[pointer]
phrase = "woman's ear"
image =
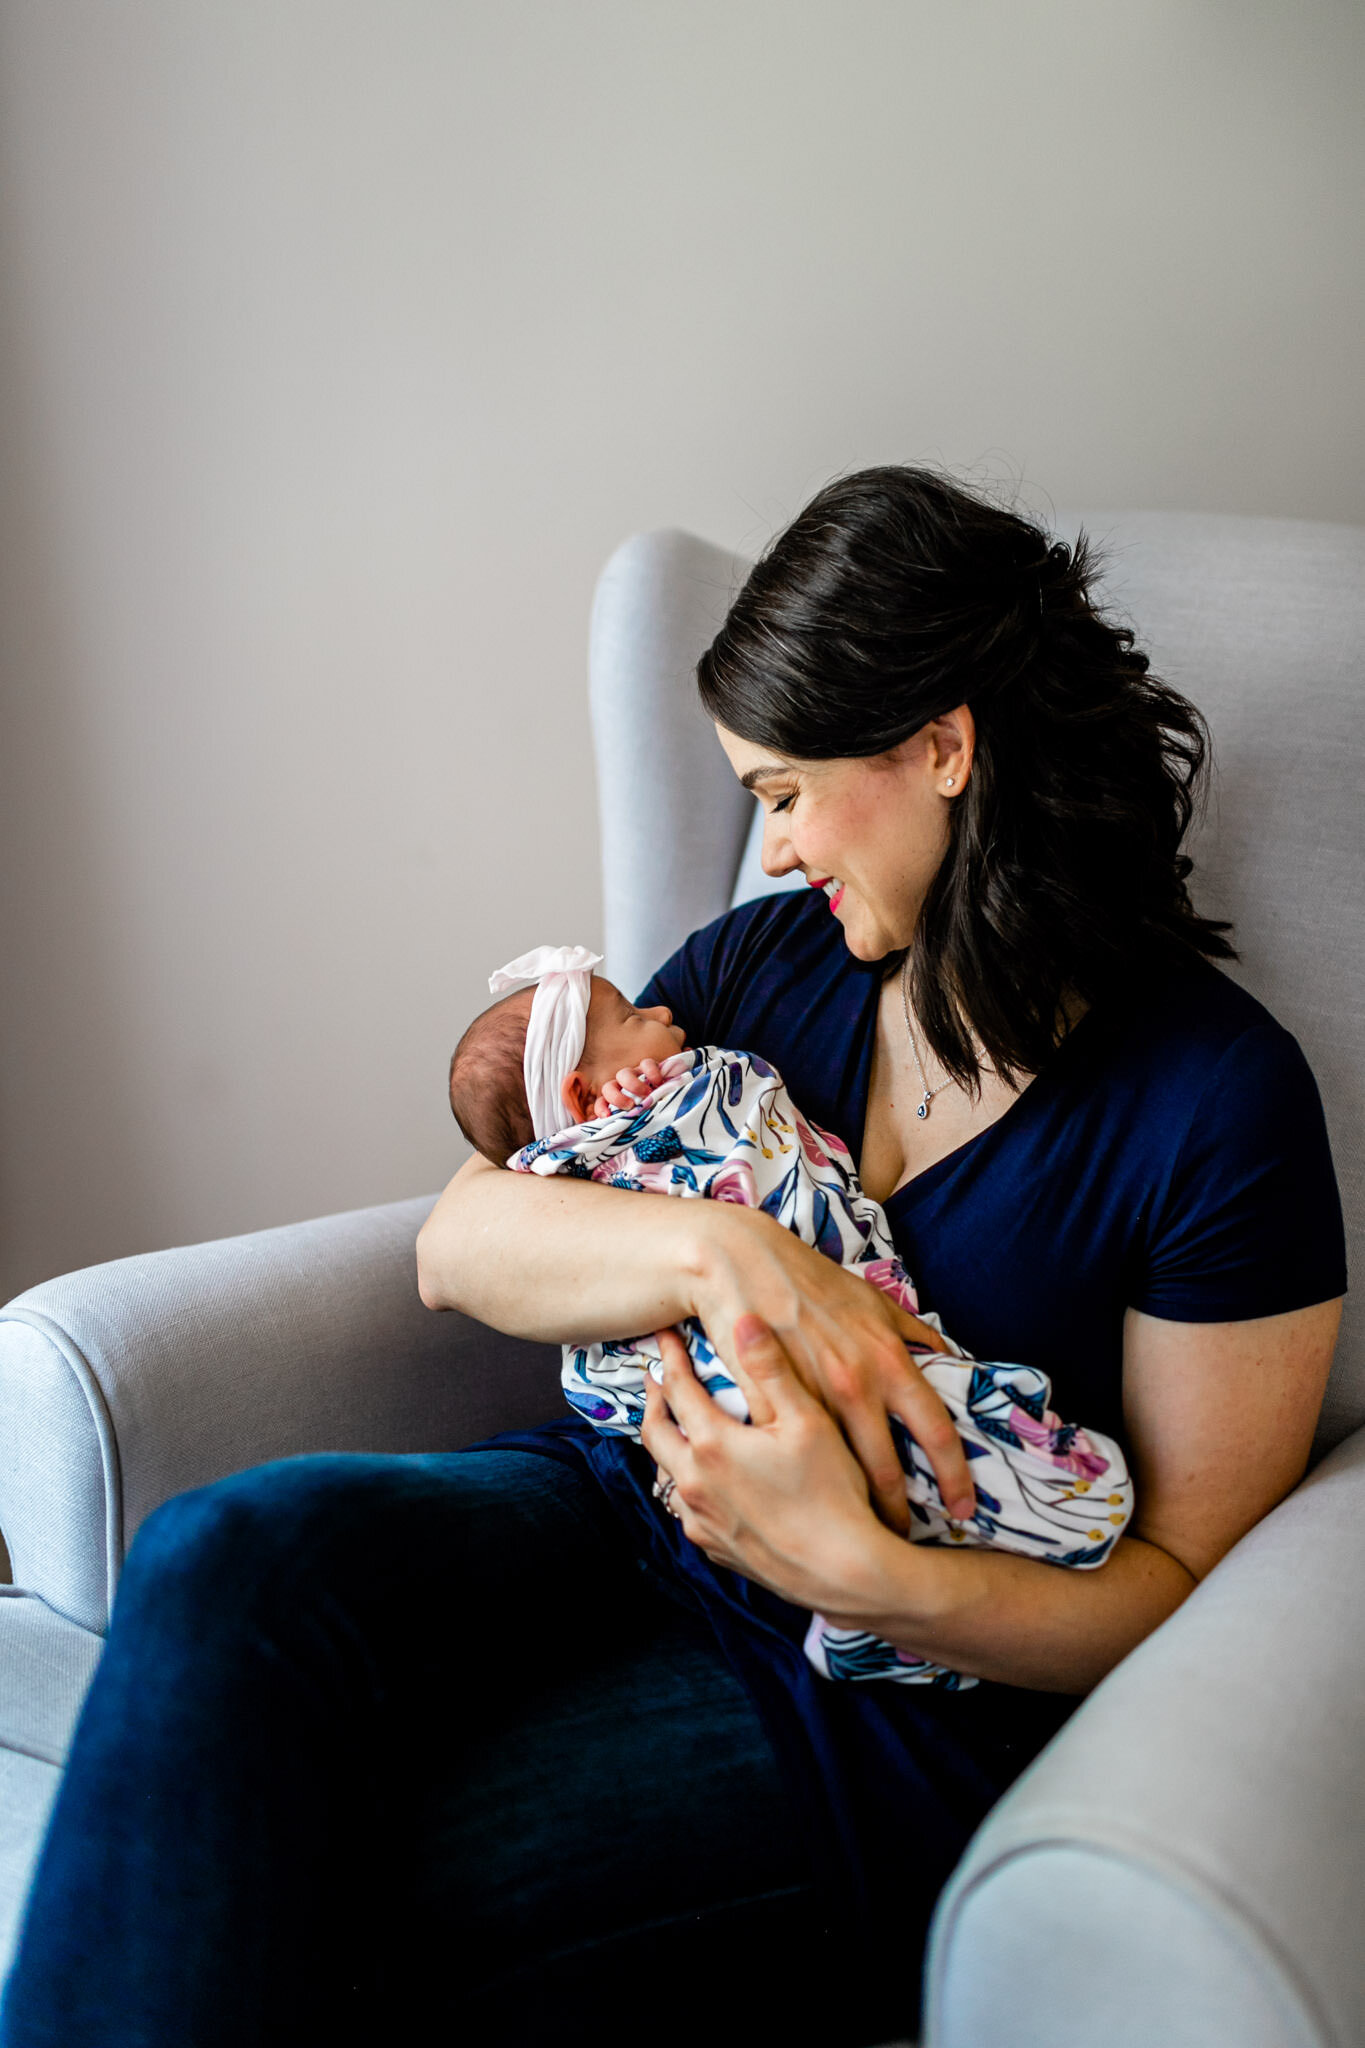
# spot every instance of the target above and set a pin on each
(578, 1097)
(952, 742)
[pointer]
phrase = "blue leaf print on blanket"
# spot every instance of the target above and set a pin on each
(782, 1196)
(660, 1145)
(827, 1238)
(697, 1088)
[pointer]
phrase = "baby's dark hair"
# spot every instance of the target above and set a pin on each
(487, 1084)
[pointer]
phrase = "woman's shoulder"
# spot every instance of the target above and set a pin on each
(1182, 1019)
(1188, 1063)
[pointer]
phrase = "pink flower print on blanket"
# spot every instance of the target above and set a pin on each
(734, 1183)
(891, 1276)
(814, 1135)
(1064, 1445)
(628, 1170)
(817, 1145)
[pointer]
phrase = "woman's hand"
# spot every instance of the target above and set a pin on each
(844, 1339)
(781, 1500)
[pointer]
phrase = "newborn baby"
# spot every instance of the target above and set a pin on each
(548, 1081)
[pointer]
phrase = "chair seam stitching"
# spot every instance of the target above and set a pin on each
(110, 1466)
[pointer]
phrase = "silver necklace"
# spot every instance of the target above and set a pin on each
(929, 1093)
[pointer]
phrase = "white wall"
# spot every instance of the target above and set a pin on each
(341, 341)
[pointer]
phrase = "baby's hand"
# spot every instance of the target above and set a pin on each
(629, 1088)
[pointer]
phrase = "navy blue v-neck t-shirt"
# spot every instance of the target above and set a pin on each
(1171, 1157)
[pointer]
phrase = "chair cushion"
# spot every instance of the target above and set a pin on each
(46, 1664)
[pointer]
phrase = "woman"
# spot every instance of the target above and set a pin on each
(292, 1815)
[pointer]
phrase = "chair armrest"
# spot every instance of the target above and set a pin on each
(1185, 1862)
(128, 1382)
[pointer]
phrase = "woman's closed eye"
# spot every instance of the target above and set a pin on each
(784, 803)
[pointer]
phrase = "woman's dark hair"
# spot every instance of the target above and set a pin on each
(898, 595)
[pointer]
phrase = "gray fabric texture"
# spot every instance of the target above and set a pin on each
(1261, 622)
(138, 1379)
(28, 1787)
(672, 824)
(1130, 1962)
(46, 1663)
(59, 1488)
(1214, 1782)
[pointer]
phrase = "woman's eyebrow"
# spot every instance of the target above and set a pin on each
(754, 775)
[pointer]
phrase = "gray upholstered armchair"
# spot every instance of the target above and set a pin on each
(1184, 1864)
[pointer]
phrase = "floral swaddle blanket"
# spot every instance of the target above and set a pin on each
(722, 1126)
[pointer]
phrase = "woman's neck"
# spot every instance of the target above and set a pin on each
(900, 1143)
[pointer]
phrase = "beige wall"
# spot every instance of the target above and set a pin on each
(341, 341)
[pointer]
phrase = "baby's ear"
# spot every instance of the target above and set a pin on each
(578, 1097)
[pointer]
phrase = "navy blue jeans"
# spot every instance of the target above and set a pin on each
(390, 1749)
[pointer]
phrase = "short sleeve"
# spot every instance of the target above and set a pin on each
(1249, 1222)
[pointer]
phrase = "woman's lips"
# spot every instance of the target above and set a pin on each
(836, 897)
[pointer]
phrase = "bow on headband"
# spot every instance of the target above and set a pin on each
(562, 979)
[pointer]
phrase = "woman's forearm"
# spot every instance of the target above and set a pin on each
(1015, 1619)
(558, 1260)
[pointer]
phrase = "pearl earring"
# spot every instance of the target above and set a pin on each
(949, 783)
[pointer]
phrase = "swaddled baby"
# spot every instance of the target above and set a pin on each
(528, 1085)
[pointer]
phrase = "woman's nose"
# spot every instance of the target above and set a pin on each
(776, 857)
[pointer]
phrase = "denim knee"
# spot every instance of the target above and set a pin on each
(260, 1529)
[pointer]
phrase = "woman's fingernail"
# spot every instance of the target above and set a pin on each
(963, 1510)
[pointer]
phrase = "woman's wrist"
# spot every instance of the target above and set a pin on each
(710, 1249)
(888, 1586)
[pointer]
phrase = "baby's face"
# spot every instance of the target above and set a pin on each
(619, 1035)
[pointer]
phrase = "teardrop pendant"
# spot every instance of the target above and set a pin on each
(923, 1109)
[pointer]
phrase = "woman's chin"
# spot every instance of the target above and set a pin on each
(864, 945)
(867, 940)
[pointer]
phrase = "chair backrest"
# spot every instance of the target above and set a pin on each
(1260, 622)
